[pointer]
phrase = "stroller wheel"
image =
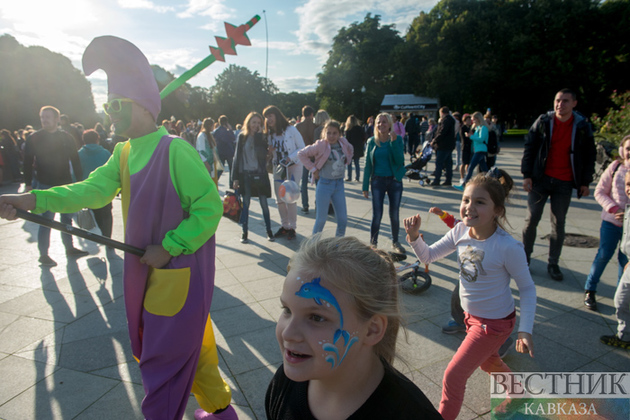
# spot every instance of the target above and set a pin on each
(415, 282)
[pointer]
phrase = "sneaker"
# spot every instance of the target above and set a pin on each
(398, 248)
(435, 184)
(305, 210)
(453, 327)
(281, 232)
(244, 239)
(358, 180)
(46, 261)
(459, 187)
(615, 341)
(554, 272)
(505, 347)
(447, 184)
(74, 252)
(348, 179)
(291, 234)
(227, 414)
(270, 237)
(589, 300)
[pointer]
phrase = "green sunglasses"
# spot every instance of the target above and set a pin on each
(115, 105)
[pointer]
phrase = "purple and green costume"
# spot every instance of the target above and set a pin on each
(168, 199)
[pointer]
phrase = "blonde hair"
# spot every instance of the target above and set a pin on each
(377, 133)
(367, 275)
(351, 122)
(478, 117)
(321, 117)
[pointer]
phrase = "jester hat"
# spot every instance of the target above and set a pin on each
(128, 71)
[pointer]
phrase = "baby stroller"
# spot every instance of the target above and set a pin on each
(414, 168)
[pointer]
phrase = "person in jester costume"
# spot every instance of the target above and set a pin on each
(171, 208)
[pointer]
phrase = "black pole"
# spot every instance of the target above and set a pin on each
(71, 230)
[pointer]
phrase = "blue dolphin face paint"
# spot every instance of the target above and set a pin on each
(314, 290)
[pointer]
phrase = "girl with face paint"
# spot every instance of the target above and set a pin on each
(337, 334)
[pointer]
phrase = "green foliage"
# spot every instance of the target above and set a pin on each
(186, 103)
(238, 91)
(291, 103)
(362, 56)
(33, 77)
(514, 55)
(615, 125)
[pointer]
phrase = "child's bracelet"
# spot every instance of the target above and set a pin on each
(444, 215)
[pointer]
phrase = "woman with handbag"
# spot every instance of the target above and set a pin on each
(207, 148)
(249, 172)
(284, 143)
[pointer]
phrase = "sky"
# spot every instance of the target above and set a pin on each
(176, 34)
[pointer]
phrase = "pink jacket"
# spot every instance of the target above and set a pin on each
(610, 193)
(320, 150)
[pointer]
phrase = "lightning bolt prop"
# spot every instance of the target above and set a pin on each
(235, 36)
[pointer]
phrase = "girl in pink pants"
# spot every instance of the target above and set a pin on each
(488, 258)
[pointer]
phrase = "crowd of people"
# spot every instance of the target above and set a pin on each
(359, 323)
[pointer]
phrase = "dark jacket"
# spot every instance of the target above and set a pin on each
(225, 142)
(238, 173)
(538, 141)
(445, 134)
(51, 152)
(356, 137)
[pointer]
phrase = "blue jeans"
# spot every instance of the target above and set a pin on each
(609, 237)
(246, 192)
(458, 152)
(356, 165)
(559, 192)
(382, 185)
(43, 235)
(478, 158)
(327, 191)
(443, 161)
(304, 188)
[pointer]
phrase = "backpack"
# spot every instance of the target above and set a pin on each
(493, 143)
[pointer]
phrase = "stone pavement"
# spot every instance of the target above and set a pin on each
(65, 354)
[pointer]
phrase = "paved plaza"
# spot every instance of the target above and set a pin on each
(65, 352)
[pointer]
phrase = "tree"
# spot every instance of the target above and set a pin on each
(615, 125)
(360, 69)
(186, 103)
(291, 103)
(514, 55)
(33, 77)
(238, 91)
